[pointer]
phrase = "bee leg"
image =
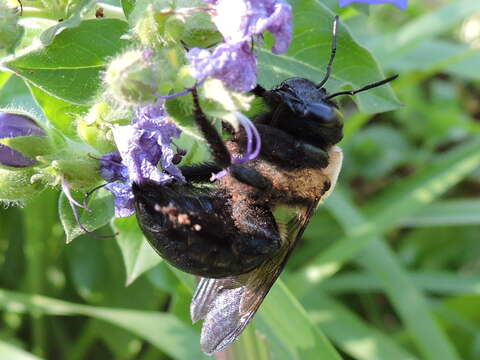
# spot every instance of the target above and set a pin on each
(258, 91)
(284, 150)
(200, 173)
(250, 176)
(202, 232)
(217, 146)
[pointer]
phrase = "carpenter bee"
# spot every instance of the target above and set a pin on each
(238, 234)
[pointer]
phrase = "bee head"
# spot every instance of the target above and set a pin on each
(303, 109)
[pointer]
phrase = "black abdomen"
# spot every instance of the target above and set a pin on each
(195, 232)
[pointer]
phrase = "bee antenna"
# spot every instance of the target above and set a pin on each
(367, 87)
(332, 54)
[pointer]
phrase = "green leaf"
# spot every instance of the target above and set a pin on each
(396, 45)
(164, 279)
(349, 331)
(250, 345)
(429, 55)
(466, 67)
(401, 200)
(363, 8)
(29, 146)
(61, 114)
(73, 21)
(282, 315)
(163, 331)
(15, 95)
(128, 6)
(443, 283)
(138, 255)
(4, 76)
(9, 351)
(101, 206)
(285, 322)
(64, 68)
(309, 54)
(407, 300)
(421, 189)
(375, 152)
(446, 212)
(16, 185)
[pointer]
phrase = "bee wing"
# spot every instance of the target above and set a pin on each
(291, 224)
(228, 304)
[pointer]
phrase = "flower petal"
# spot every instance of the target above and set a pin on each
(252, 135)
(239, 20)
(141, 147)
(14, 158)
(150, 112)
(234, 64)
(13, 125)
(124, 201)
(112, 169)
(140, 153)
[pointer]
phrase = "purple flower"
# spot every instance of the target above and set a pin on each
(112, 169)
(234, 64)
(141, 147)
(239, 20)
(253, 138)
(124, 201)
(14, 125)
(151, 111)
(401, 4)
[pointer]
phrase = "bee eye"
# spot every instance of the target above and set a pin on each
(322, 112)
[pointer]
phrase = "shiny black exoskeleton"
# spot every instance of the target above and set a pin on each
(238, 234)
(229, 229)
(199, 229)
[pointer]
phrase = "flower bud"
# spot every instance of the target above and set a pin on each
(93, 130)
(157, 25)
(10, 31)
(16, 129)
(145, 28)
(131, 78)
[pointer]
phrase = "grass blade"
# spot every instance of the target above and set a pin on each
(8, 351)
(442, 283)
(403, 200)
(294, 327)
(162, 330)
(285, 322)
(350, 333)
(446, 212)
(408, 301)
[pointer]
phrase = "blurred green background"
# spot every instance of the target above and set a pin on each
(388, 268)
